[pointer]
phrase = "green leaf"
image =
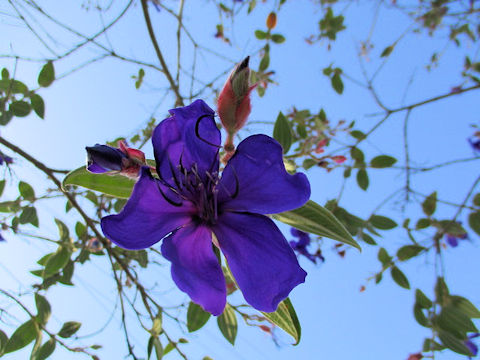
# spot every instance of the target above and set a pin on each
(29, 216)
(474, 221)
(261, 35)
(20, 108)
(196, 317)
(69, 328)
(57, 261)
(3, 341)
(47, 75)
(43, 309)
(368, 239)
(168, 348)
(382, 222)
(141, 74)
(26, 191)
(357, 134)
(409, 251)
(24, 335)
(422, 300)
(14, 86)
(80, 229)
(450, 227)
(454, 344)
(441, 291)
(337, 83)
(383, 257)
(47, 349)
(5, 76)
(67, 273)
(387, 51)
(2, 186)
(63, 231)
(420, 316)
(315, 219)
(362, 179)
(154, 342)
(265, 62)
(283, 318)
(309, 163)
(432, 345)
(278, 39)
(465, 306)
(422, 223)
(227, 323)
(430, 204)
(476, 200)
(399, 277)
(113, 185)
(455, 322)
(282, 132)
(357, 155)
(38, 105)
(382, 161)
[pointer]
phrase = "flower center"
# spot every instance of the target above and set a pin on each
(200, 189)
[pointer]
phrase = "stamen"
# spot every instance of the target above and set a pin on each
(215, 209)
(197, 131)
(173, 171)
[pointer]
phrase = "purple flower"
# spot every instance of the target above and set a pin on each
(472, 347)
(452, 240)
(1, 237)
(190, 201)
(5, 158)
(475, 144)
(301, 245)
(124, 160)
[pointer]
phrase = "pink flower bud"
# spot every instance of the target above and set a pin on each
(233, 105)
(319, 149)
(339, 159)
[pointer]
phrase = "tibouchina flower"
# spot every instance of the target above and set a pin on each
(6, 159)
(123, 160)
(453, 240)
(190, 201)
(472, 347)
(301, 245)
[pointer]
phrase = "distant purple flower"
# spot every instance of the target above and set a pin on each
(301, 245)
(124, 160)
(453, 240)
(5, 158)
(472, 347)
(190, 201)
(475, 144)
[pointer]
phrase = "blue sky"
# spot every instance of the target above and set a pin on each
(100, 103)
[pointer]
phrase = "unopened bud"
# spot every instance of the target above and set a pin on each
(122, 160)
(233, 103)
(271, 20)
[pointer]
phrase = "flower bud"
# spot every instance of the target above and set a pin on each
(122, 160)
(271, 20)
(233, 103)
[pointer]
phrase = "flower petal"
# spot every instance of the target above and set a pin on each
(264, 186)
(176, 138)
(261, 260)
(147, 217)
(195, 268)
